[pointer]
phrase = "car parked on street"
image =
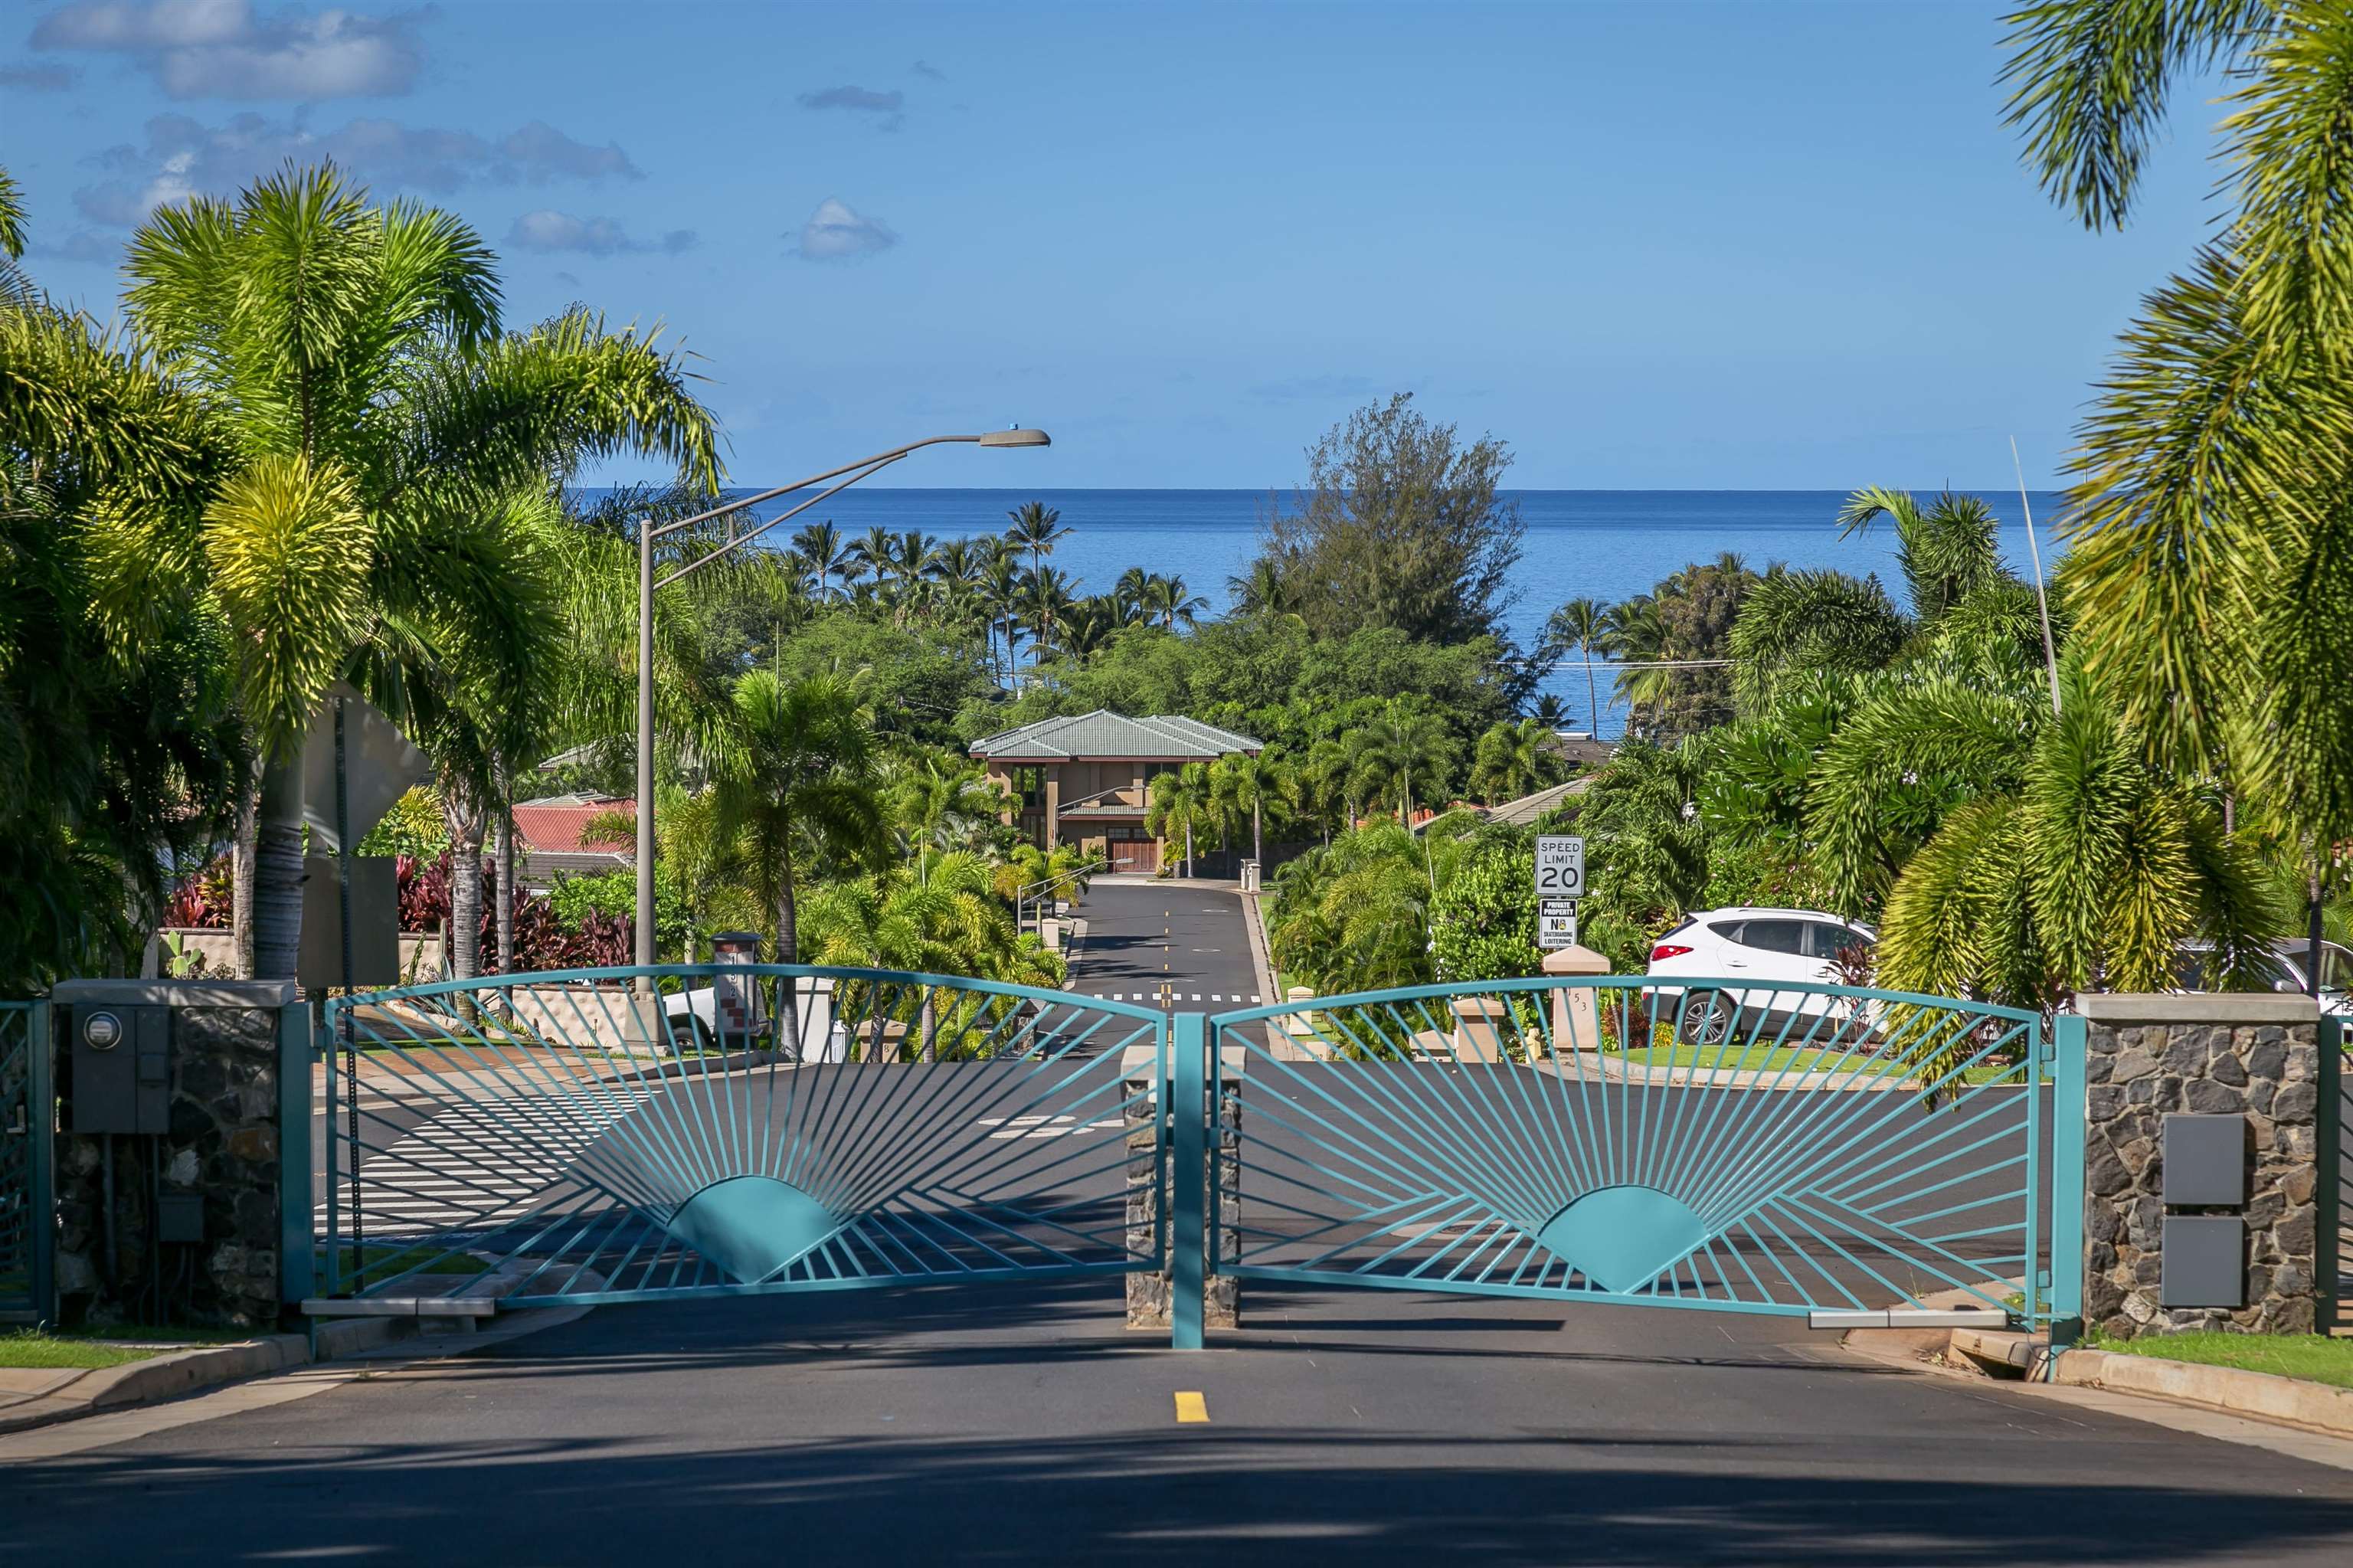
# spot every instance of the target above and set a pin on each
(1767, 950)
(2285, 970)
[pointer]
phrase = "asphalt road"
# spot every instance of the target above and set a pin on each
(1142, 937)
(1021, 1424)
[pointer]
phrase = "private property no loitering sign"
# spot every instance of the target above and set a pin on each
(1560, 882)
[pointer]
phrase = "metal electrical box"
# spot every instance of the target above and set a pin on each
(2205, 1161)
(2205, 1261)
(121, 1056)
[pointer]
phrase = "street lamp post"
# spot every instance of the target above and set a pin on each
(648, 583)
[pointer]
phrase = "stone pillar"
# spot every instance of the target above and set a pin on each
(1053, 808)
(1576, 1017)
(198, 1211)
(2254, 1056)
(1147, 1292)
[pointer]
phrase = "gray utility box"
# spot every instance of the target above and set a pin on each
(2205, 1161)
(121, 1064)
(2205, 1261)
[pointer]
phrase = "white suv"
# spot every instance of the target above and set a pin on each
(1769, 948)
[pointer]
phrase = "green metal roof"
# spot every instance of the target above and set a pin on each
(1112, 736)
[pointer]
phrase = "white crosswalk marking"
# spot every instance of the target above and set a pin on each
(478, 1162)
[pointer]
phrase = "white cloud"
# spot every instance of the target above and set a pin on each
(220, 48)
(183, 157)
(838, 232)
(549, 230)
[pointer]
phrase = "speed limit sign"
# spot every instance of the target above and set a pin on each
(1560, 867)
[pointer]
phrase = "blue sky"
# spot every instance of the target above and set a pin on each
(1672, 245)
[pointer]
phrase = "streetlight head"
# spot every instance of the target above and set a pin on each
(1015, 437)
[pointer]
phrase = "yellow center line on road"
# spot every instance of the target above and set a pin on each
(1191, 1406)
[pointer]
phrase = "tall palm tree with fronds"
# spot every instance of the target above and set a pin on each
(1083, 626)
(1514, 759)
(1033, 528)
(2211, 515)
(2071, 864)
(1171, 600)
(798, 786)
(385, 435)
(1133, 587)
(1182, 801)
(1635, 632)
(1947, 549)
(1249, 782)
(1802, 620)
(1000, 599)
(1578, 625)
(1045, 598)
(869, 556)
(827, 555)
(1400, 754)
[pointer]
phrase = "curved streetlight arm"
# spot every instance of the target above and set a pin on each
(646, 1005)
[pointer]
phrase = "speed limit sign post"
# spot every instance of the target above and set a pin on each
(1560, 867)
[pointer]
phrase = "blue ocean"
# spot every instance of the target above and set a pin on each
(1608, 544)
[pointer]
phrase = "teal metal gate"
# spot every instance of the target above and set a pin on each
(554, 1139)
(1708, 1144)
(28, 1148)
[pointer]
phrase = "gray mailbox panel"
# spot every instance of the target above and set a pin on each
(2205, 1261)
(2205, 1159)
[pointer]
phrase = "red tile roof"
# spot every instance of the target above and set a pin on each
(558, 827)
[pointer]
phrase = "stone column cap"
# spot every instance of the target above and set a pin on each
(2198, 1007)
(177, 993)
(1575, 960)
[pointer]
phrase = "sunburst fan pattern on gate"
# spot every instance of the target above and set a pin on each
(1707, 1145)
(769, 1127)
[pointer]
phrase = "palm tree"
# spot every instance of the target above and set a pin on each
(1000, 598)
(1633, 632)
(122, 756)
(384, 436)
(1516, 759)
(869, 556)
(1172, 601)
(2076, 865)
(1580, 624)
(1947, 549)
(799, 779)
(2214, 469)
(826, 554)
(1320, 786)
(1551, 712)
(1035, 527)
(1246, 782)
(939, 917)
(1794, 622)
(1045, 597)
(1181, 800)
(1084, 627)
(1263, 589)
(1402, 747)
(1134, 587)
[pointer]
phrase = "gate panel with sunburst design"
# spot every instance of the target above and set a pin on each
(551, 1138)
(1708, 1144)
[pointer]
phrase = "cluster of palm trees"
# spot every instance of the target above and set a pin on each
(313, 455)
(1000, 588)
(1400, 762)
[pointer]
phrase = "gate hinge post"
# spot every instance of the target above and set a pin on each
(1188, 1181)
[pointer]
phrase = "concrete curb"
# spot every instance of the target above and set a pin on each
(1261, 959)
(177, 1372)
(2260, 1396)
(2263, 1396)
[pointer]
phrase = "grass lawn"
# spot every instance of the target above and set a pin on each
(384, 1262)
(112, 1346)
(2316, 1358)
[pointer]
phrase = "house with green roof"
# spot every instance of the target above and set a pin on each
(1086, 780)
